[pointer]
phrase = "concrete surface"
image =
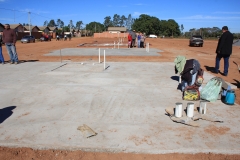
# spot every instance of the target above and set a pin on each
(124, 104)
(108, 51)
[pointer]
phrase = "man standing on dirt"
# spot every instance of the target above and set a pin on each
(224, 50)
(9, 38)
(134, 35)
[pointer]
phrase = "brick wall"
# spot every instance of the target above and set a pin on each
(110, 35)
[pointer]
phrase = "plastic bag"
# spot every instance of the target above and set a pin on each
(211, 91)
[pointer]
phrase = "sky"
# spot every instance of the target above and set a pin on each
(191, 14)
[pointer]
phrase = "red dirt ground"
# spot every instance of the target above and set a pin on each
(170, 47)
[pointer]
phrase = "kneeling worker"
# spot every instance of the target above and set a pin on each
(188, 70)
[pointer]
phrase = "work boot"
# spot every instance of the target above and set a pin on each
(11, 62)
(16, 62)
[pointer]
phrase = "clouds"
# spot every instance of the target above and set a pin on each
(137, 14)
(6, 19)
(226, 12)
(203, 17)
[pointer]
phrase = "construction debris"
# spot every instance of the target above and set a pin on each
(87, 131)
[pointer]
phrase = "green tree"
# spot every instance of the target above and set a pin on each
(147, 24)
(122, 21)
(60, 23)
(173, 27)
(45, 23)
(51, 23)
(116, 20)
(70, 25)
(107, 22)
(65, 29)
(79, 25)
(129, 22)
(182, 28)
(95, 27)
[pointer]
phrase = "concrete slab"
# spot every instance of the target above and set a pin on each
(124, 104)
(108, 51)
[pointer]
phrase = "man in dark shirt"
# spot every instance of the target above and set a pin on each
(1, 56)
(134, 35)
(224, 50)
(9, 38)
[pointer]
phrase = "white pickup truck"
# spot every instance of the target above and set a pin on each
(152, 36)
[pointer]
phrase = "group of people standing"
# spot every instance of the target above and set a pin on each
(9, 38)
(134, 38)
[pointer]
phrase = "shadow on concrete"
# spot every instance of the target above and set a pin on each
(211, 69)
(5, 113)
(237, 83)
(24, 61)
(176, 78)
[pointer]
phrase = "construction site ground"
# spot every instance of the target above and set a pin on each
(61, 85)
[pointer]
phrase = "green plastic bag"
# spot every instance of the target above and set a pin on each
(211, 91)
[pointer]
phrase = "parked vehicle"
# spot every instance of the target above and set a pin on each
(28, 39)
(45, 38)
(196, 40)
(152, 36)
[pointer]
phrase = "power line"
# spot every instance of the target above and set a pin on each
(28, 13)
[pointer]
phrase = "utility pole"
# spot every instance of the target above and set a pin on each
(14, 14)
(29, 23)
(70, 27)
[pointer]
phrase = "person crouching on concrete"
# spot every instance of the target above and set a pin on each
(188, 70)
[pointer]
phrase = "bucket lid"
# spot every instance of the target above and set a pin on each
(231, 91)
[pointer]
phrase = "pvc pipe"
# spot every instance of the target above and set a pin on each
(104, 60)
(99, 59)
(190, 109)
(178, 110)
(61, 55)
(203, 107)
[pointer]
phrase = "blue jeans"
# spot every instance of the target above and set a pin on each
(139, 43)
(185, 84)
(1, 56)
(226, 63)
(11, 49)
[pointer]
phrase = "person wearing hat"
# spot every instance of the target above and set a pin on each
(134, 35)
(224, 50)
(10, 38)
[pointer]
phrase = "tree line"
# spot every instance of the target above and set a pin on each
(144, 23)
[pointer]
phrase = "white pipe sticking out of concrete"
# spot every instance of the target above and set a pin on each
(99, 59)
(147, 47)
(104, 60)
(178, 110)
(190, 109)
(61, 55)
